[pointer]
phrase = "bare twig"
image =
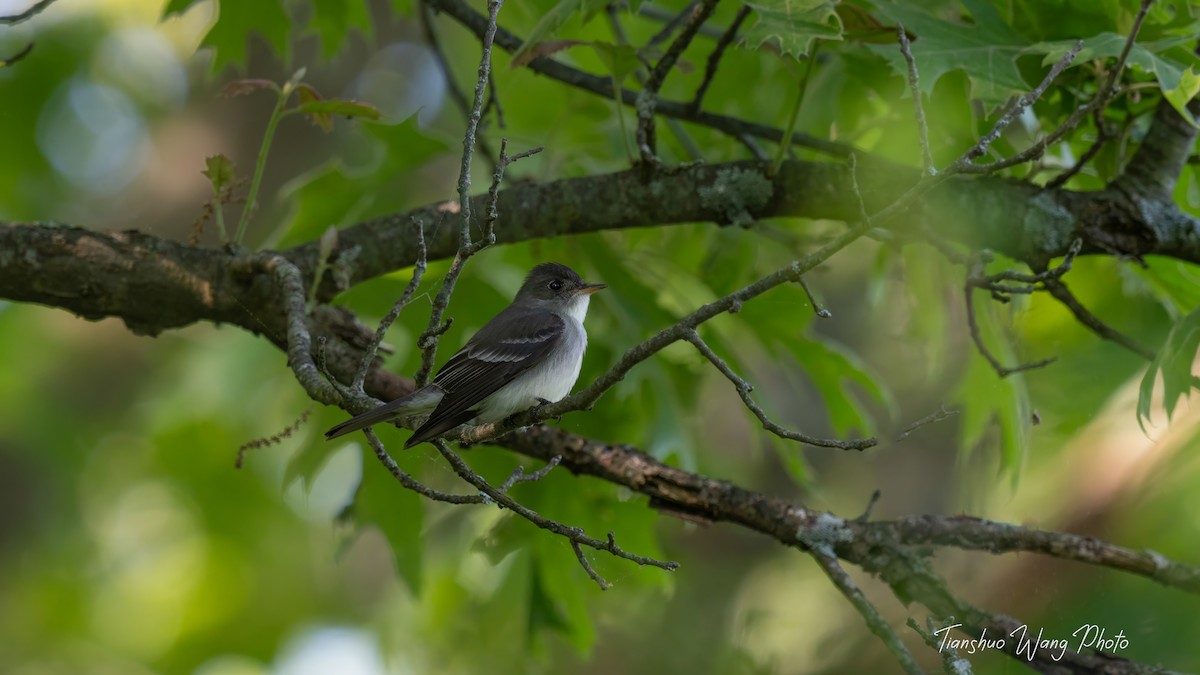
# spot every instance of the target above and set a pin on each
(939, 415)
(493, 102)
(24, 51)
(428, 340)
(574, 534)
(401, 302)
(951, 663)
(714, 59)
(812, 299)
(866, 514)
(973, 324)
(1059, 290)
(1103, 135)
(875, 621)
(412, 483)
(32, 11)
(744, 388)
(425, 14)
(672, 25)
(653, 12)
(519, 475)
(648, 97)
(964, 165)
(587, 566)
(681, 133)
(914, 85)
(1104, 95)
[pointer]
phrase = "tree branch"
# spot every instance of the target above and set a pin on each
(602, 86)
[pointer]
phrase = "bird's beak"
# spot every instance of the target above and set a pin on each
(588, 289)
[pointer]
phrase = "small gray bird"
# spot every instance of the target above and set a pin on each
(529, 353)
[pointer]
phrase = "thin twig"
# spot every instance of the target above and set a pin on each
(866, 514)
(587, 566)
(973, 325)
(939, 415)
(493, 102)
(1103, 135)
(412, 483)
(1059, 290)
(1103, 97)
(32, 11)
(963, 164)
(714, 59)
(875, 621)
(425, 14)
(648, 97)
(952, 664)
(24, 51)
(914, 85)
(574, 534)
(519, 475)
(812, 299)
(655, 13)
(744, 388)
(418, 271)
(681, 133)
(672, 25)
(428, 340)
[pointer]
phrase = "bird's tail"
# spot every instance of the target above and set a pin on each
(418, 402)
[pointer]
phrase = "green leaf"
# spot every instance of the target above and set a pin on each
(219, 171)
(830, 367)
(552, 22)
(345, 190)
(1174, 360)
(986, 50)
(237, 20)
(619, 60)
(989, 401)
(1174, 283)
(398, 513)
(1179, 81)
(792, 25)
(333, 19)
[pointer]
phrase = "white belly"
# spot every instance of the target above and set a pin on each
(550, 380)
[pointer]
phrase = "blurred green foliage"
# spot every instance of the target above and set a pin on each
(130, 544)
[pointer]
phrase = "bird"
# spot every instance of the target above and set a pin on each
(527, 355)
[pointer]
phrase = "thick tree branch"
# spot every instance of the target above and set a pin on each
(154, 284)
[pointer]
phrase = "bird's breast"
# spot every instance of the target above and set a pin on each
(552, 379)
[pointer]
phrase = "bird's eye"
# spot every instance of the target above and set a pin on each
(556, 285)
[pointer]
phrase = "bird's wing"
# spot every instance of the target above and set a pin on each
(511, 343)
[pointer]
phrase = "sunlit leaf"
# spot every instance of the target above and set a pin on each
(1174, 361)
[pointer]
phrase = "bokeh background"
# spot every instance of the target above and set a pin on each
(129, 543)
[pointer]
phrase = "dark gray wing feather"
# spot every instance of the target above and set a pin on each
(512, 342)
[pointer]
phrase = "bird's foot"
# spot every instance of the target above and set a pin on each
(542, 403)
